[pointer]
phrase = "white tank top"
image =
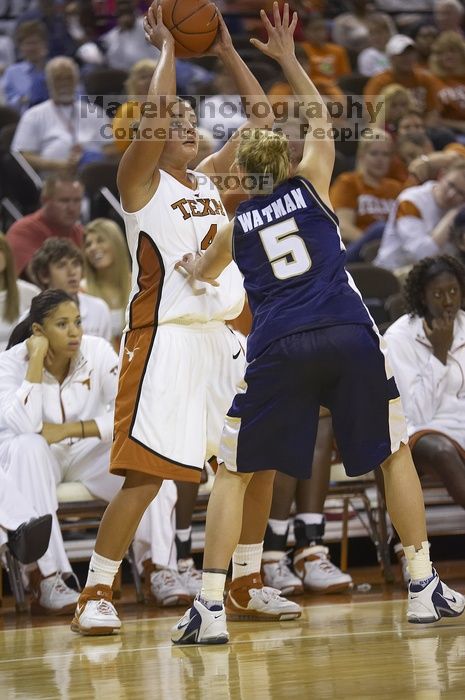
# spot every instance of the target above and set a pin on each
(178, 220)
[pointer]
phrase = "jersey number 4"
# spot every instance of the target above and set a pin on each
(209, 236)
(286, 252)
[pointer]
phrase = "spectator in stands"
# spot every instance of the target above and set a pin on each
(422, 85)
(8, 20)
(7, 57)
(365, 195)
(50, 13)
(127, 117)
(281, 89)
(408, 148)
(424, 35)
(414, 122)
(107, 269)
(411, 122)
(352, 29)
(15, 295)
(447, 63)
(396, 103)
(58, 264)
(373, 59)
(326, 60)
(59, 215)
(448, 15)
(408, 15)
(419, 223)
(56, 388)
(219, 120)
(122, 44)
(412, 146)
(427, 353)
(24, 82)
(430, 164)
(457, 236)
(61, 133)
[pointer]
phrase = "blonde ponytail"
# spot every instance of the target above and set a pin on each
(264, 152)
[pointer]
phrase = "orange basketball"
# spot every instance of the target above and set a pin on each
(193, 24)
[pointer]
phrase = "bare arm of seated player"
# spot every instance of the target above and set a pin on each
(210, 265)
(138, 173)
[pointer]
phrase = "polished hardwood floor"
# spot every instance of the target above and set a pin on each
(344, 646)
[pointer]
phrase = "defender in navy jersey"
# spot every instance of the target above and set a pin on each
(287, 246)
(312, 343)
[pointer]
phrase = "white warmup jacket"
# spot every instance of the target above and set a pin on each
(432, 394)
(87, 393)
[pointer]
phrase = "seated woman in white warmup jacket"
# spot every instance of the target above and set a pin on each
(427, 353)
(57, 392)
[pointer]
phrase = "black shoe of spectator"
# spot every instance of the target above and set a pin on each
(30, 540)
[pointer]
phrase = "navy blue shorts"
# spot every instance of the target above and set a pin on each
(273, 423)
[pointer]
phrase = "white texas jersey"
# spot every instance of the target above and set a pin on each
(178, 220)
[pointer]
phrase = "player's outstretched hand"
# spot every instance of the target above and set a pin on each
(187, 263)
(156, 33)
(280, 37)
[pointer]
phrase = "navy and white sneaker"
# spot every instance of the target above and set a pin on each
(434, 600)
(201, 625)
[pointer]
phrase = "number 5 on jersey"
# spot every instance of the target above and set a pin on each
(286, 252)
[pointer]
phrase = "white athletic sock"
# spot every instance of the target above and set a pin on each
(247, 559)
(279, 527)
(101, 570)
(212, 587)
(310, 518)
(183, 535)
(419, 563)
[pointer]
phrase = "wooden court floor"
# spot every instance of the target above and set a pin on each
(345, 646)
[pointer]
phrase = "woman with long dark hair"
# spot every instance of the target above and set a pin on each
(56, 386)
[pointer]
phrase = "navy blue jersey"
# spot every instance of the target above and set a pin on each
(287, 246)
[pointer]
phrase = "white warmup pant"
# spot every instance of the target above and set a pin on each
(15, 508)
(35, 468)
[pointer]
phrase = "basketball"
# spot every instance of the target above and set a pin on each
(193, 24)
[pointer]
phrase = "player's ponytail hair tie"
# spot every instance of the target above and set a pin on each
(263, 152)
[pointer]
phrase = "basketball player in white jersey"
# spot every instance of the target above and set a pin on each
(179, 361)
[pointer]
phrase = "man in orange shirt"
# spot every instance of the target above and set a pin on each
(327, 61)
(421, 85)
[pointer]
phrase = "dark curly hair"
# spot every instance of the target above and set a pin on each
(425, 271)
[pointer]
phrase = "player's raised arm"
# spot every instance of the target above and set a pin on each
(210, 265)
(318, 156)
(138, 169)
(252, 95)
